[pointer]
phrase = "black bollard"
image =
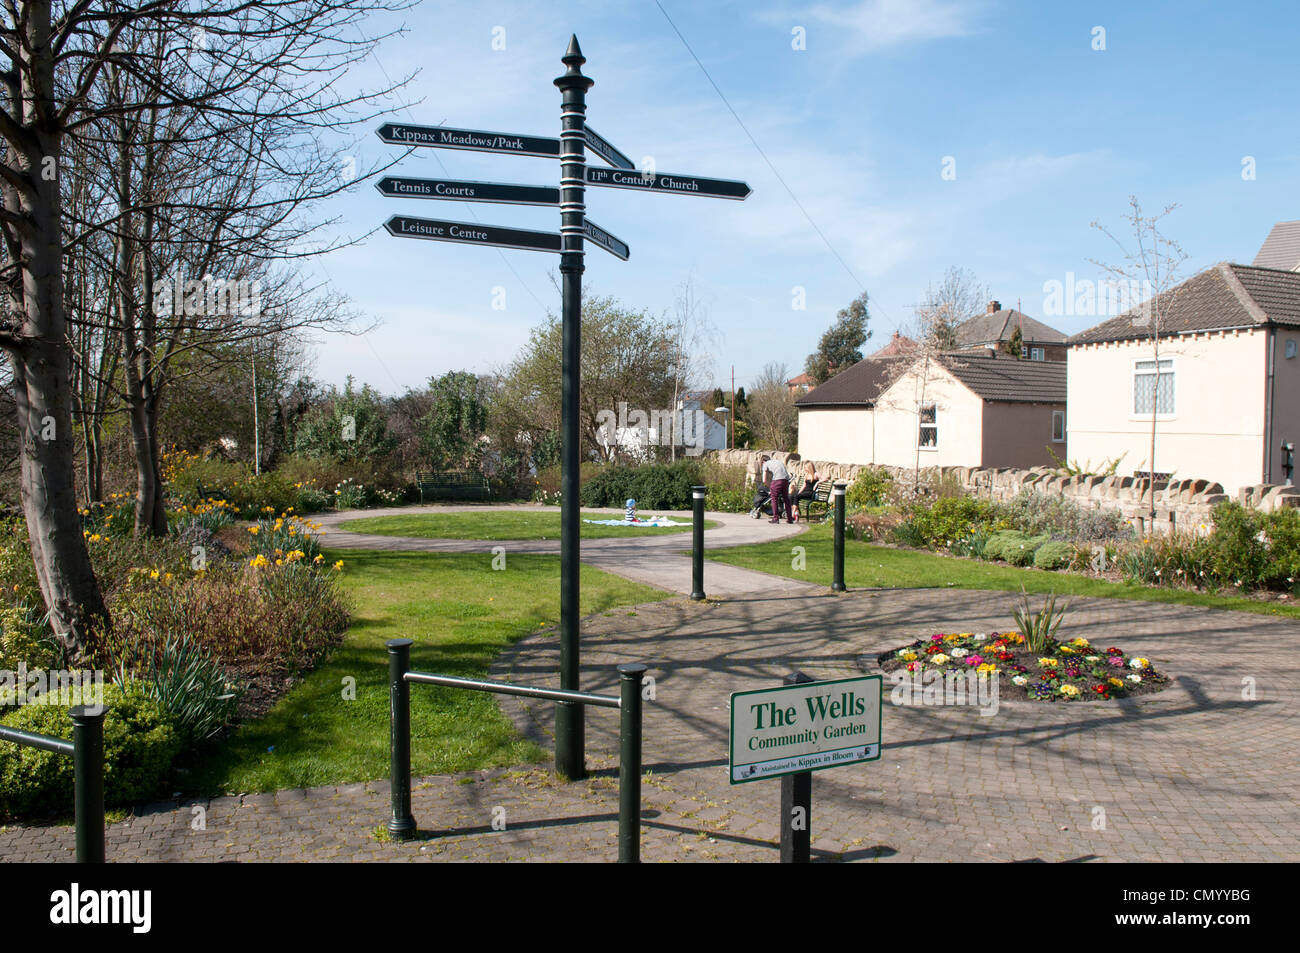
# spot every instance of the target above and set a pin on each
(629, 762)
(402, 824)
(837, 582)
(88, 781)
(697, 542)
(796, 806)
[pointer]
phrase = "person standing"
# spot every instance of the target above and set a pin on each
(778, 480)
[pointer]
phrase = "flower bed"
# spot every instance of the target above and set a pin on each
(1063, 671)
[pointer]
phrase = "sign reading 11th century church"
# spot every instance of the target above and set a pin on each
(804, 727)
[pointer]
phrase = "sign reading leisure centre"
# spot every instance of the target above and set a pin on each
(804, 727)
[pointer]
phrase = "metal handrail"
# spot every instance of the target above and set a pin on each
(402, 823)
(87, 752)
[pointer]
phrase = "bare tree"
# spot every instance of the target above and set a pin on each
(1150, 263)
(691, 333)
(772, 412)
(55, 84)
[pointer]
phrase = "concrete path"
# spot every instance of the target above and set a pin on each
(1203, 771)
(662, 559)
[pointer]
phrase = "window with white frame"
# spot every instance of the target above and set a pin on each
(1036, 354)
(1058, 426)
(1150, 395)
(929, 436)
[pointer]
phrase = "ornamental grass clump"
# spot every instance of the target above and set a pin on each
(182, 676)
(1039, 627)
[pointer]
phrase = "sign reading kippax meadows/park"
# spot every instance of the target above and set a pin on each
(673, 182)
(476, 140)
(403, 226)
(805, 727)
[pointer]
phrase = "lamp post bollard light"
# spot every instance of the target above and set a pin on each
(837, 582)
(698, 494)
(401, 826)
(570, 759)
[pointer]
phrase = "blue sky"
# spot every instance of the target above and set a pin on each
(1046, 134)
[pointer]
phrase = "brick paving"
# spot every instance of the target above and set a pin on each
(1198, 772)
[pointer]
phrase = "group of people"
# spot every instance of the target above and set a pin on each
(776, 479)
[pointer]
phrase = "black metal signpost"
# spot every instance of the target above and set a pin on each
(575, 176)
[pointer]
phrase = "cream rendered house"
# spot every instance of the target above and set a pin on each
(1226, 391)
(964, 408)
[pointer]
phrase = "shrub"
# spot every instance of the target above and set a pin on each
(871, 524)
(1000, 543)
(1282, 530)
(952, 518)
(721, 499)
(1054, 554)
(1037, 513)
(140, 742)
(654, 486)
(869, 489)
(184, 679)
(1038, 628)
(1023, 554)
(908, 533)
(1236, 549)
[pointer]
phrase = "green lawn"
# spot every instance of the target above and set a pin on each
(461, 614)
(504, 525)
(867, 566)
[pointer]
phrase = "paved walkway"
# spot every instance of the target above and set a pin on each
(1198, 772)
(662, 559)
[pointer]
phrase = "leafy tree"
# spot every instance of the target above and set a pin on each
(840, 347)
(1014, 345)
(350, 425)
(451, 432)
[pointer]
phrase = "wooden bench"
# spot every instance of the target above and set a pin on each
(821, 498)
(209, 494)
(452, 485)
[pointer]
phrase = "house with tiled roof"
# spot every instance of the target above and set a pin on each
(1224, 388)
(978, 408)
(996, 327)
(1281, 249)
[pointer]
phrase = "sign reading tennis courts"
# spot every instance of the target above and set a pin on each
(805, 727)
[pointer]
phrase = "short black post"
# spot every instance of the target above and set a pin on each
(796, 806)
(402, 824)
(88, 779)
(631, 675)
(697, 542)
(837, 583)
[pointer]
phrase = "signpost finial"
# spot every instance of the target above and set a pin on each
(573, 59)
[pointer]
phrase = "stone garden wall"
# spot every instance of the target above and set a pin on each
(1182, 504)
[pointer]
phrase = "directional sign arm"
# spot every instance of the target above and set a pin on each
(605, 149)
(672, 182)
(477, 140)
(469, 233)
(456, 190)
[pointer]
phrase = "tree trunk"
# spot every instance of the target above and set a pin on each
(41, 360)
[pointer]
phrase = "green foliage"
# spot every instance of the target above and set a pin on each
(450, 432)
(1106, 468)
(953, 518)
(971, 545)
(840, 347)
(26, 637)
(1023, 554)
(1002, 543)
(655, 486)
(869, 489)
(1282, 530)
(1037, 513)
(721, 499)
(1038, 627)
(350, 425)
(1015, 344)
(184, 679)
(140, 742)
(1237, 550)
(1054, 554)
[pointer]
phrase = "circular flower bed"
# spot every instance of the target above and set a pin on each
(1063, 671)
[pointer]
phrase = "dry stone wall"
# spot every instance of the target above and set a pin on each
(1180, 504)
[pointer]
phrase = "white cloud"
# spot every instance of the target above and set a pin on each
(880, 24)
